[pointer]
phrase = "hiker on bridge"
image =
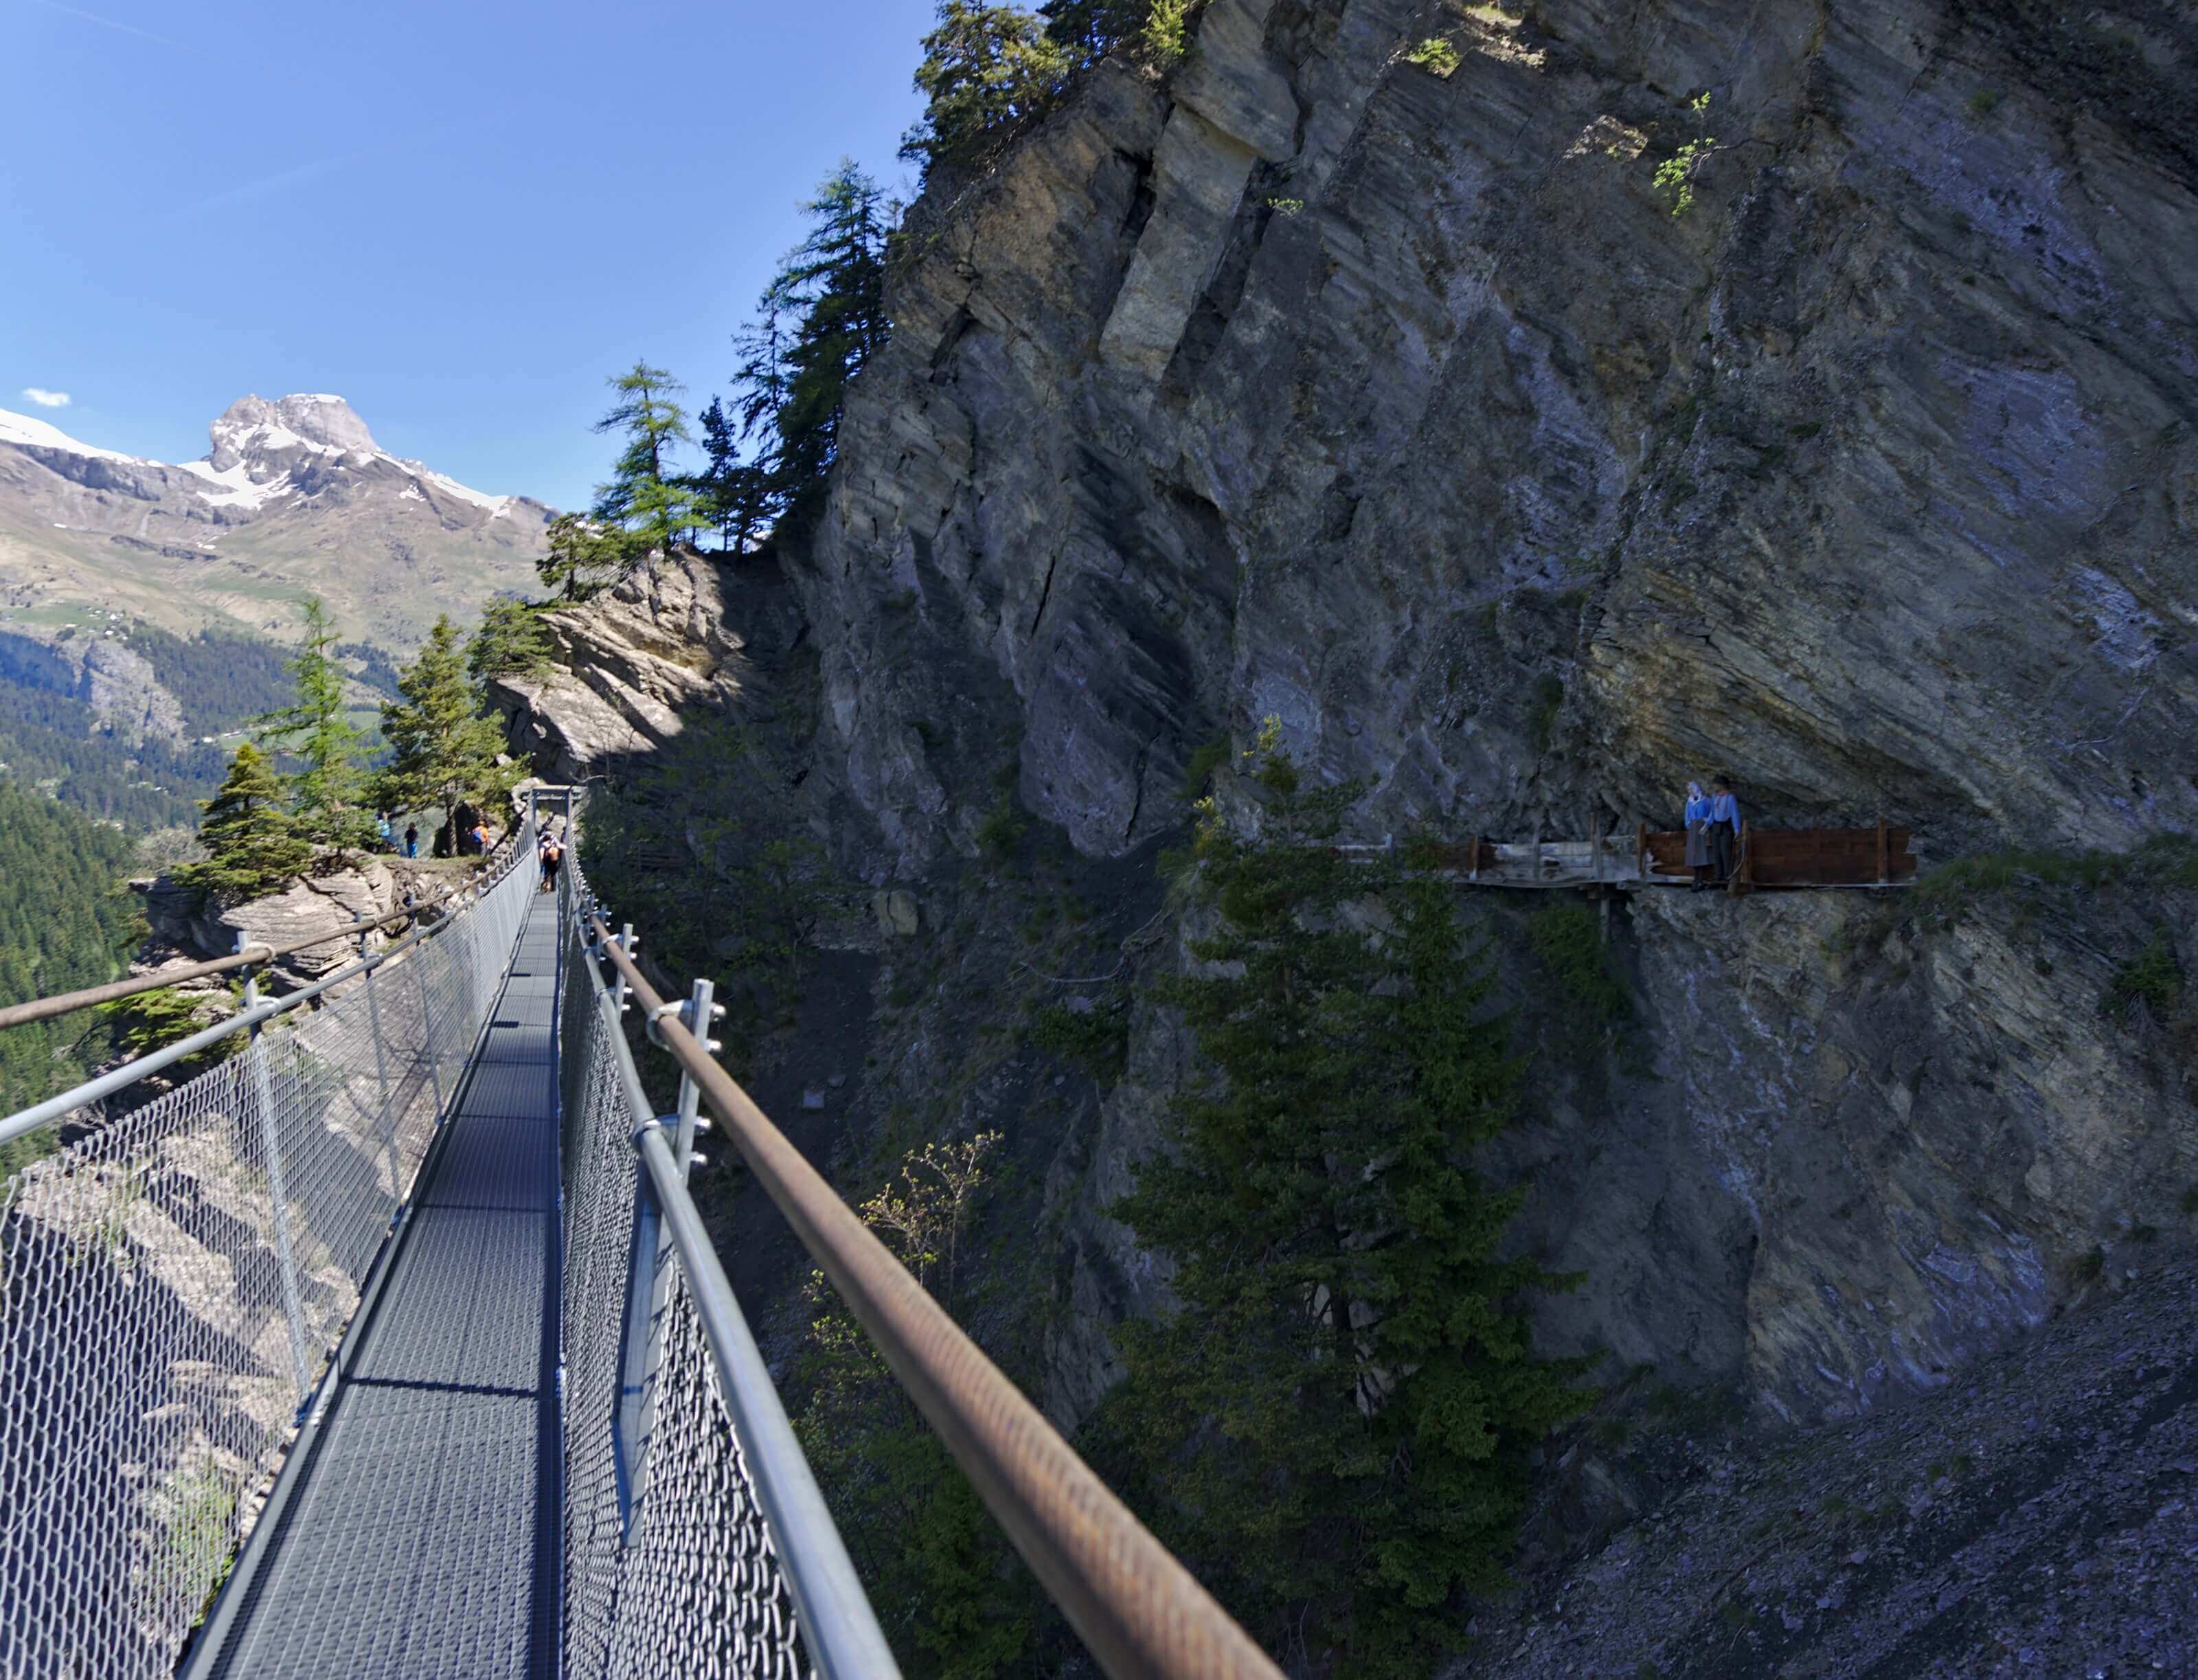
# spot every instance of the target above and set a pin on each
(1699, 856)
(1724, 826)
(552, 855)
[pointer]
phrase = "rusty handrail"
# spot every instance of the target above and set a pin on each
(1136, 1608)
(45, 1008)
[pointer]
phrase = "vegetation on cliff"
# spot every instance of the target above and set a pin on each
(253, 839)
(1334, 1424)
(316, 728)
(442, 750)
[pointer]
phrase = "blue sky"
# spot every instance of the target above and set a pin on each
(461, 217)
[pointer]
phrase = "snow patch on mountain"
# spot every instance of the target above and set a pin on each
(449, 486)
(28, 433)
(236, 488)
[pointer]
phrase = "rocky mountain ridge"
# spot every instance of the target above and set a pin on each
(293, 497)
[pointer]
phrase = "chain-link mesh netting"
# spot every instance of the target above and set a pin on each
(173, 1282)
(674, 1574)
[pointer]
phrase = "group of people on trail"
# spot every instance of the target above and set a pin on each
(551, 849)
(386, 835)
(1712, 833)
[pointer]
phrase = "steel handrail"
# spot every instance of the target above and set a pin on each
(45, 1008)
(838, 1629)
(106, 1084)
(1134, 1605)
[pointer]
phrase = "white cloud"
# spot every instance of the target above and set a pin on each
(47, 399)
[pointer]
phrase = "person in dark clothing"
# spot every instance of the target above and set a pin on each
(412, 839)
(1724, 825)
(553, 855)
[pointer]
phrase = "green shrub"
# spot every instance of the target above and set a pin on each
(2088, 1268)
(1434, 53)
(1952, 884)
(1002, 829)
(1566, 938)
(1204, 761)
(1166, 33)
(1097, 1041)
(2189, 1203)
(2150, 978)
(2172, 860)
(1985, 100)
(1549, 700)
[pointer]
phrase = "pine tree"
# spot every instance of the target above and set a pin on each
(510, 642)
(988, 73)
(721, 451)
(836, 280)
(646, 498)
(583, 557)
(253, 842)
(758, 487)
(325, 796)
(1340, 1415)
(1090, 29)
(443, 751)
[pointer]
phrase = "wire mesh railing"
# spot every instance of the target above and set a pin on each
(662, 1540)
(696, 1542)
(174, 1282)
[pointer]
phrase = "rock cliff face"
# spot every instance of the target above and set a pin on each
(1319, 383)
(1401, 407)
(623, 670)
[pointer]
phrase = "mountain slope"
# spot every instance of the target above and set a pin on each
(293, 498)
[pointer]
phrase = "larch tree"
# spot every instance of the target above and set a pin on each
(1335, 1424)
(509, 641)
(253, 842)
(443, 751)
(326, 795)
(646, 498)
(584, 556)
(988, 73)
(836, 279)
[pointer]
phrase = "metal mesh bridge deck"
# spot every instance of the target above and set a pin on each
(418, 1534)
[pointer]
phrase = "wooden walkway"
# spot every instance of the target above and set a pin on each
(1765, 859)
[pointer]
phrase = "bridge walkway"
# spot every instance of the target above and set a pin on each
(416, 1533)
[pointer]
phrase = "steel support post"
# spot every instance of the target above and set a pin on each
(703, 1012)
(270, 1143)
(382, 1080)
(427, 1032)
(626, 943)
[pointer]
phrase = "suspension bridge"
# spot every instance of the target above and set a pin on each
(374, 1333)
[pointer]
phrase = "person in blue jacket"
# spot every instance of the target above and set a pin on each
(1698, 835)
(1724, 826)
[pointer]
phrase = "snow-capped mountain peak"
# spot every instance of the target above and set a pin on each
(293, 489)
(252, 427)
